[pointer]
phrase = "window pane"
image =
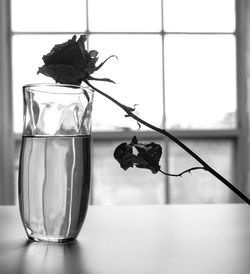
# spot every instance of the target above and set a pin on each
(27, 52)
(47, 15)
(200, 186)
(138, 77)
(113, 185)
(200, 73)
(131, 87)
(125, 15)
(199, 15)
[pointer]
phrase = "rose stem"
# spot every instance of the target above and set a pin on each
(129, 110)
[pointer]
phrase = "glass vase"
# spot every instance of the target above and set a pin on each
(54, 166)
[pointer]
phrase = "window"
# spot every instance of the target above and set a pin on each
(181, 67)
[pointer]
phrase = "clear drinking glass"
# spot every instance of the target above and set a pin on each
(54, 167)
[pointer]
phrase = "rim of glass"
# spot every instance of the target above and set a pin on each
(75, 89)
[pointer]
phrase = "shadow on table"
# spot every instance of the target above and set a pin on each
(41, 258)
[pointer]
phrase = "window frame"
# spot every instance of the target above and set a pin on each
(242, 14)
(7, 191)
(9, 143)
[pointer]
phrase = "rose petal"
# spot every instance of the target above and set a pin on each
(151, 154)
(61, 73)
(70, 62)
(57, 49)
(124, 155)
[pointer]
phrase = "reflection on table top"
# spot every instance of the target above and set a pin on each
(176, 239)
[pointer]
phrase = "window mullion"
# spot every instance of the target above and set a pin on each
(7, 192)
(241, 164)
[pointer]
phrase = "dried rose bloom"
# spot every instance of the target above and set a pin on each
(148, 155)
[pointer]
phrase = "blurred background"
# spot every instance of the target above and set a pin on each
(184, 62)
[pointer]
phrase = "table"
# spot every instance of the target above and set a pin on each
(174, 239)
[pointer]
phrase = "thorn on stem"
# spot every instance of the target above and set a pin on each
(139, 125)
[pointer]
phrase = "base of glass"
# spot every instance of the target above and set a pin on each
(50, 239)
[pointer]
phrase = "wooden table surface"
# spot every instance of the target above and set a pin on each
(176, 239)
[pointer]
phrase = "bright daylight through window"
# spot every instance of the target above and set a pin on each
(176, 63)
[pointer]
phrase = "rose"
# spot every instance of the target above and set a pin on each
(71, 63)
(148, 155)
